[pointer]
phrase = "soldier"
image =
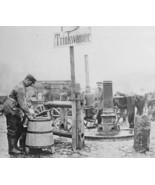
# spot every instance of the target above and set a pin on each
(15, 108)
(99, 103)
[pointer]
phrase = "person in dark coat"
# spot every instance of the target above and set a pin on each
(15, 108)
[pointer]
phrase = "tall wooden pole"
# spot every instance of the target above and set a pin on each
(73, 92)
(77, 116)
(87, 74)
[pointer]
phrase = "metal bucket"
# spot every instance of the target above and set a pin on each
(89, 112)
(90, 99)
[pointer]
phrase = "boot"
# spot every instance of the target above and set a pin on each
(11, 143)
(22, 143)
(19, 148)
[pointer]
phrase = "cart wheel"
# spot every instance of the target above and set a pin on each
(39, 109)
(27, 150)
(56, 123)
(69, 112)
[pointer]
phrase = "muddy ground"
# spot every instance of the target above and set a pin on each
(93, 148)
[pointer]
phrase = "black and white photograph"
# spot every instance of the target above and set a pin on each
(77, 92)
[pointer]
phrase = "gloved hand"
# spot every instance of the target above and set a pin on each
(25, 121)
(32, 113)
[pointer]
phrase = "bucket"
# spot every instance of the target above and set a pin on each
(90, 99)
(89, 112)
(39, 133)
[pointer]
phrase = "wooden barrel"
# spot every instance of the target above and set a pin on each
(3, 138)
(39, 133)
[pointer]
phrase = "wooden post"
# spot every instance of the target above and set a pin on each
(87, 74)
(73, 92)
(77, 119)
(80, 125)
(63, 111)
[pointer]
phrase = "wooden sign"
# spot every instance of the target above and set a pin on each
(73, 36)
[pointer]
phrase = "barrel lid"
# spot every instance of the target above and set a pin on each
(40, 119)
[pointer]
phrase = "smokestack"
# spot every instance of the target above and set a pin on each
(87, 74)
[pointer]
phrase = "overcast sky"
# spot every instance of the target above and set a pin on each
(125, 55)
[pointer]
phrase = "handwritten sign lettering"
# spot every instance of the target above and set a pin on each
(78, 37)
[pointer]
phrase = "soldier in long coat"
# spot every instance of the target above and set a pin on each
(15, 107)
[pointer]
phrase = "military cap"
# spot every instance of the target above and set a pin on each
(31, 78)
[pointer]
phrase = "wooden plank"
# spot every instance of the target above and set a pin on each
(56, 104)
